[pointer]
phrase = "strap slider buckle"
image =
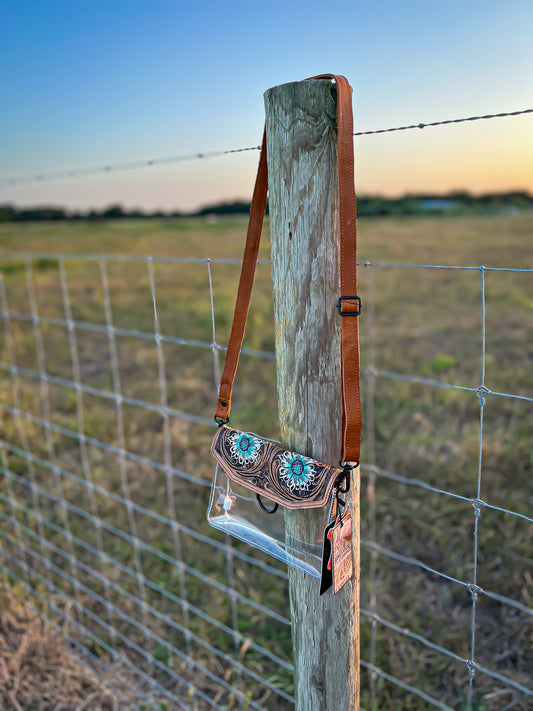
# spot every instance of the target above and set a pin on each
(348, 298)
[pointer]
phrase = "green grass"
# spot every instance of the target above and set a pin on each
(425, 323)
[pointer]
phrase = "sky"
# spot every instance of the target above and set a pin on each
(101, 82)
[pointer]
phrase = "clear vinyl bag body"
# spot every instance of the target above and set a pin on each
(235, 510)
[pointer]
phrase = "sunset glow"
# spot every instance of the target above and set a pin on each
(95, 84)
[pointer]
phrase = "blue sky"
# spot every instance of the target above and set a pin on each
(93, 82)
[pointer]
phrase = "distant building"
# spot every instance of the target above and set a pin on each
(440, 204)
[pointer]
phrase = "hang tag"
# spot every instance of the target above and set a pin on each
(341, 544)
(326, 579)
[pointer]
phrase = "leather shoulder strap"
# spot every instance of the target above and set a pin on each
(348, 304)
(242, 303)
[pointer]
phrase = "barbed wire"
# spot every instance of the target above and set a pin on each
(136, 164)
(446, 122)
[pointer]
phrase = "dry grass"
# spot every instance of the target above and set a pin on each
(37, 671)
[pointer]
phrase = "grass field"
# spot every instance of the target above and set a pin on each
(423, 324)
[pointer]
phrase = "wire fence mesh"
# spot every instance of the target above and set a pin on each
(111, 365)
(97, 512)
(463, 558)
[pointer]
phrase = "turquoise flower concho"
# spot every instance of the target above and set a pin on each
(291, 480)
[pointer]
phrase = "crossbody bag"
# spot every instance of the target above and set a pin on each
(271, 472)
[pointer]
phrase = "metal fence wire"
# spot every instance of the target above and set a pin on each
(166, 160)
(106, 422)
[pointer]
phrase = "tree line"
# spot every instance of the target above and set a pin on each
(457, 202)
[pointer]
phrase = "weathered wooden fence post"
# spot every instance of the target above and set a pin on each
(303, 199)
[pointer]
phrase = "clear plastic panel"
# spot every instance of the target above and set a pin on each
(235, 510)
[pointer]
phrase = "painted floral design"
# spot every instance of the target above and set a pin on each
(297, 471)
(244, 447)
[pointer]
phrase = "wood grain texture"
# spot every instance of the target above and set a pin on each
(303, 198)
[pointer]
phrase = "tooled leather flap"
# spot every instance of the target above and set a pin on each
(290, 479)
